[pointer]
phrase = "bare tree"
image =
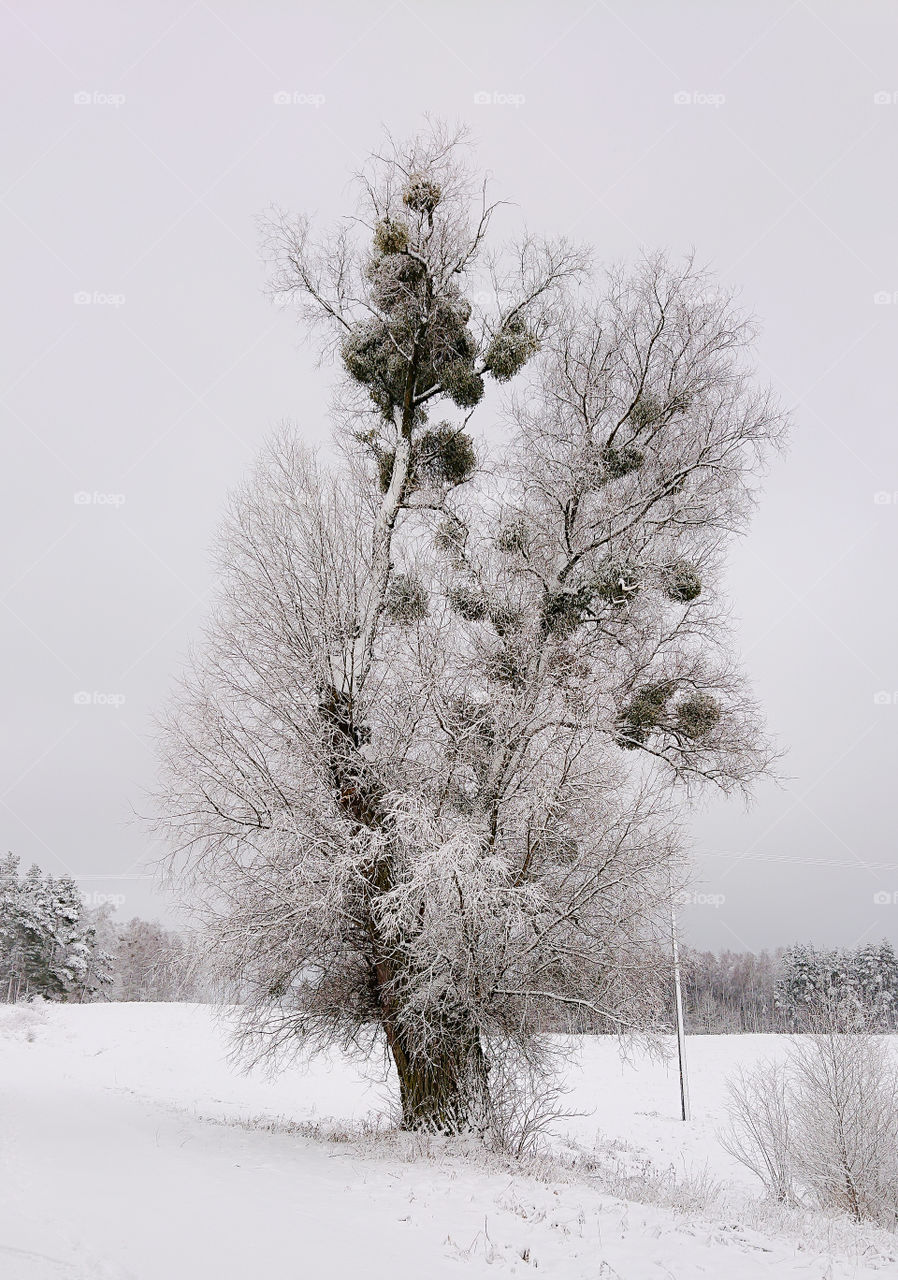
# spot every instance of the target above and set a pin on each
(420, 771)
(152, 963)
(731, 992)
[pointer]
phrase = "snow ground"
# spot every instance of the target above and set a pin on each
(131, 1150)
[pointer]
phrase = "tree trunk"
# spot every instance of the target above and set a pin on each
(446, 1091)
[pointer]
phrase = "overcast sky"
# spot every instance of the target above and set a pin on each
(142, 142)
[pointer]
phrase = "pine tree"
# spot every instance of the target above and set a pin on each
(48, 944)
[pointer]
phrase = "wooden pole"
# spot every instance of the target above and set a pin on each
(678, 1000)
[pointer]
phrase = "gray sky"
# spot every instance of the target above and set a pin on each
(142, 142)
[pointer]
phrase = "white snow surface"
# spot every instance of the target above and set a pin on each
(132, 1149)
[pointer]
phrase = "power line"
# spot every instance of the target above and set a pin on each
(802, 862)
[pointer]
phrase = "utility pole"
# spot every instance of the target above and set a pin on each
(678, 1000)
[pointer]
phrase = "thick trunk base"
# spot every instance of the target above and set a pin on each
(445, 1094)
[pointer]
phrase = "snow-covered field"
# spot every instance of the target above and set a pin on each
(132, 1150)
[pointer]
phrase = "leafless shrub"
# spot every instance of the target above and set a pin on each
(760, 1130)
(525, 1105)
(846, 1123)
(822, 1127)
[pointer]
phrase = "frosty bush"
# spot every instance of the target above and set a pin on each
(823, 1126)
(760, 1131)
(845, 1097)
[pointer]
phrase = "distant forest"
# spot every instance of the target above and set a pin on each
(739, 991)
(54, 947)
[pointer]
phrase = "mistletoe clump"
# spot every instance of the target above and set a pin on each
(372, 359)
(462, 384)
(563, 610)
(440, 456)
(514, 538)
(396, 280)
(448, 351)
(413, 329)
(647, 409)
(385, 460)
(682, 583)
(644, 713)
(617, 583)
(390, 236)
(406, 600)
(510, 349)
(620, 462)
(397, 277)
(450, 537)
(506, 667)
(376, 354)
(697, 716)
(506, 618)
(468, 604)
(443, 455)
(421, 194)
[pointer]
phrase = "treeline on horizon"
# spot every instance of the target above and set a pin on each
(53, 946)
(782, 991)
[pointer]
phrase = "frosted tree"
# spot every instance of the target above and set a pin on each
(48, 944)
(801, 982)
(862, 984)
(419, 777)
(153, 963)
(874, 976)
(733, 991)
